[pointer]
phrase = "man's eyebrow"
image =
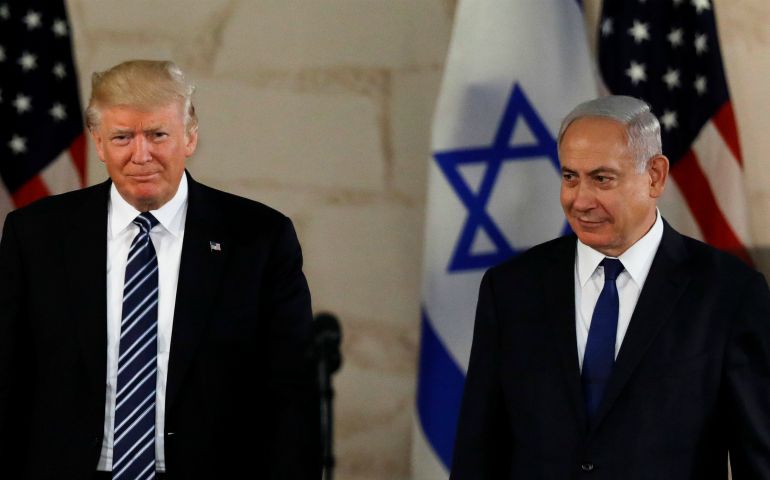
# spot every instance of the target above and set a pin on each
(602, 169)
(150, 129)
(595, 171)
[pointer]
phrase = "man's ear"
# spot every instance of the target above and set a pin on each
(658, 171)
(97, 138)
(191, 139)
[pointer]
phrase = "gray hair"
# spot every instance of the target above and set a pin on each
(144, 84)
(642, 126)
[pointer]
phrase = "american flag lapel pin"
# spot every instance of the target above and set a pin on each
(215, 246)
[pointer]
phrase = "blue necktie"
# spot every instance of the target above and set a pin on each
(599, 356)
(134, 438)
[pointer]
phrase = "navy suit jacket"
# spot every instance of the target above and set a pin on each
(241, 400)
(691, 380)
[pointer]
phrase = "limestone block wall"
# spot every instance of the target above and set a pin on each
(322, 109)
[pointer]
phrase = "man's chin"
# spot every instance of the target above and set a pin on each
(144, 199)
(596, 240)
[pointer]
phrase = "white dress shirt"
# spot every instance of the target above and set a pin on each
(167, 239)
(589, 281)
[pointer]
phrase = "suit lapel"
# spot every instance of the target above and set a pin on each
(200, 274)
(560, 305)
(85, 251)
(664, 285)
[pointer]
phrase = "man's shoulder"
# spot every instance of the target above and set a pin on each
(57, 208)
(543, 256)
(245, 214)
(706, 259)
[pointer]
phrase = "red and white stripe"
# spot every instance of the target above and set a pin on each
(707, 198)
(67, 172)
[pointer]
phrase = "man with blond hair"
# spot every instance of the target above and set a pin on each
(150, 326)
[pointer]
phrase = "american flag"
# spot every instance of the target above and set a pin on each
(42, 141)
(667, 53)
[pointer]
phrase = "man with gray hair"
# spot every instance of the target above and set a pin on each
(152, 327)
(623, 351)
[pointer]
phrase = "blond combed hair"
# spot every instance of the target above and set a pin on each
(142, 84)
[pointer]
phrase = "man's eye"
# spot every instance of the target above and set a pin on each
(603, 179)
(120, 139)
(568, 177)
(159, 135)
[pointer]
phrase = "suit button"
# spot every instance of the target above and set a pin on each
(587, 467)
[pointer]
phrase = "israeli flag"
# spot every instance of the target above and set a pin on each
(515, 68)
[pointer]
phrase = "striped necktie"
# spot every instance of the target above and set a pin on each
(599, 357)
(134, 435)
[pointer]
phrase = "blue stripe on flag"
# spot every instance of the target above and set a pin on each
(439, 392)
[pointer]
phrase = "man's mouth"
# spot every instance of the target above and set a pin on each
(590, 223)
(143, 176)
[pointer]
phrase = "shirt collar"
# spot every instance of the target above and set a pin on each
(122, 213)
(637, 260)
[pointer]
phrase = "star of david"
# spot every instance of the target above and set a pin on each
(493, 156)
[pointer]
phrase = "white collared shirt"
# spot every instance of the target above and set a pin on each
(167, 239)
(589, 281)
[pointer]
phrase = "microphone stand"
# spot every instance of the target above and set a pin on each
(326, 347)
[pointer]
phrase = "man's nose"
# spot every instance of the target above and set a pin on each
(141, 153)
(585, 198)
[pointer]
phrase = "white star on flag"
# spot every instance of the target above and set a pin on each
(58, 112)
(607, 27)
(22, 103)
(59, 70)
(636, 72)
(671, 78)
(701, 5)
(59, 28)
(28, 61)
(42, 135)
(668, 119)
(680, 73)
(640, 31)
(700, 43)
(32, 19)
(18, 144)
(676, 37)
(700, 84)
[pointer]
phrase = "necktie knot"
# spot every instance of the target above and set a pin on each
(145, 221)
(612, 268)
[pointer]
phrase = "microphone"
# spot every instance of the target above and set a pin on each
(326, 341)
(325, 349)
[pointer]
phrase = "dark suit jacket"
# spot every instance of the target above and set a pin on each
(691, 380)
(241, 400)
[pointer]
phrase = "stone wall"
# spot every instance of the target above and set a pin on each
(322, 109)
